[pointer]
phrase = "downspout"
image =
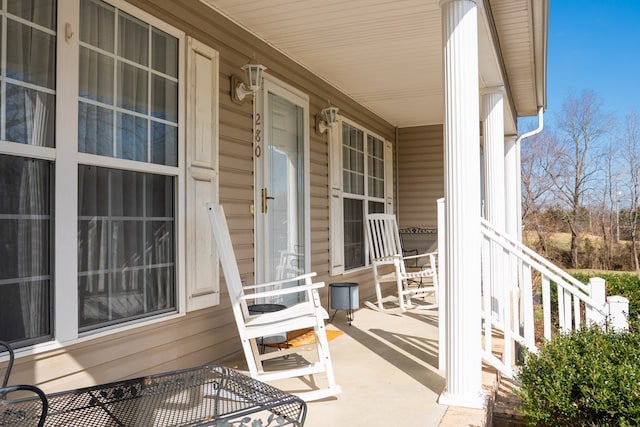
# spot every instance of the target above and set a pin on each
(519, 166)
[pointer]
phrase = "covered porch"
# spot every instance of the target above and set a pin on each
(432, 88)
(451, 77)
(387, 366)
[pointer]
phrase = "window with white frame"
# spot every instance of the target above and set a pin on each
(27, 121)
(128, 109)
(125, 151)
(361, 183)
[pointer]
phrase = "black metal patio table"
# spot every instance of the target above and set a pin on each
(204, 396)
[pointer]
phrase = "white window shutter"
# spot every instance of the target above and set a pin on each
(388, 176)
(336, 223)
(202, 269)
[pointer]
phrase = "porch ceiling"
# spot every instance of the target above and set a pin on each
(387, 54)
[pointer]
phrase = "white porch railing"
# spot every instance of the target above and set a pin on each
(527, 299)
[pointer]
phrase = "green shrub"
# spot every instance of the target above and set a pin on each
(583, 378)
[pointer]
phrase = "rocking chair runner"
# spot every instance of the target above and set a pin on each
(307, 314)
(389, 265)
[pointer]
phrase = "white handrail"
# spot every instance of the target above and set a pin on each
(509, 307)
(487, 226)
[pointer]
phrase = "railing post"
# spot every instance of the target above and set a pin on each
(442, 279)
(598, 293)
(618, 312)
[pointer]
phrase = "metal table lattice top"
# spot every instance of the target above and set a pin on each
(203, 396)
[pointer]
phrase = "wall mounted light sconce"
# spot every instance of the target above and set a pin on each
(253, 78)
(326, 119)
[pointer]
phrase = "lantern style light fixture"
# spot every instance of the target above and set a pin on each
(253, 77)
(326, 119)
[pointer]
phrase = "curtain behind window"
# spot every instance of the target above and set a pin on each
(28, 84)
(128, 109)
(25, 242)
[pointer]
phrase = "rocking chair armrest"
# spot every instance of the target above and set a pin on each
(424, 255)
(283, 291)
(389, 258)
(280, 282)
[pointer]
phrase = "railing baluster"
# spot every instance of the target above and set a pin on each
(514, 291)
(546, 306)
(486, 297)
(527, 302)
(576, 313)
(561, 317)
(568, 320)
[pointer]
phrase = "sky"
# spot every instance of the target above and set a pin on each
(594, 45)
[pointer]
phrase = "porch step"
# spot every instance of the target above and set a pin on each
(465, 417)
(505, 407)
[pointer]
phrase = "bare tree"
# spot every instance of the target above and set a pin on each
(632, 157)
(608, 223)
(536, 185)
(572, 165)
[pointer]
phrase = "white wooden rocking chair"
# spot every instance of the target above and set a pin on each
(389, 265)
(307, 314)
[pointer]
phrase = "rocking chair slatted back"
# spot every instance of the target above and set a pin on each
(385, 250)
(252, 327)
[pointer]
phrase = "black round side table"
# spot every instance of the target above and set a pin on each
(268, 308)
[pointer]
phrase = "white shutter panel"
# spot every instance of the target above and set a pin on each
(336, 223)
(202, 275)
(388, 176)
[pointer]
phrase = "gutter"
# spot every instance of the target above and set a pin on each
(536, 130)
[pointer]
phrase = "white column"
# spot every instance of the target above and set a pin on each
(462, 204)
(512, 208)
(518, 191)
(493, 130)
(511, 186)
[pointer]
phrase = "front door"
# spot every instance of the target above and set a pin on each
(281, 199)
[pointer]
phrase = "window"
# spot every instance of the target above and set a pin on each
(122, 199)
(126, 245)
(26, 199)
(25, 249)
(361, 183)
(128, 109)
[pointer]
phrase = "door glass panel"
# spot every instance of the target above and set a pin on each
(284, 173)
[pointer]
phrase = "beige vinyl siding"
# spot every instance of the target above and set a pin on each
(210, 335)
(420, 163)
(164, 346)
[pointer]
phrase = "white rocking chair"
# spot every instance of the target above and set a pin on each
(389, 265)
(307, 314)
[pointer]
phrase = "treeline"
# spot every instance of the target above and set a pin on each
(581, 177)
(604, 242)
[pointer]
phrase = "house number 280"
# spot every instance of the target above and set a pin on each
(258, 137)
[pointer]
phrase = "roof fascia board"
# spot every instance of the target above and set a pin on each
(487, 19)
(540, 27)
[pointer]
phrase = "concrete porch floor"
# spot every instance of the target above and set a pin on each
(387, 368)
